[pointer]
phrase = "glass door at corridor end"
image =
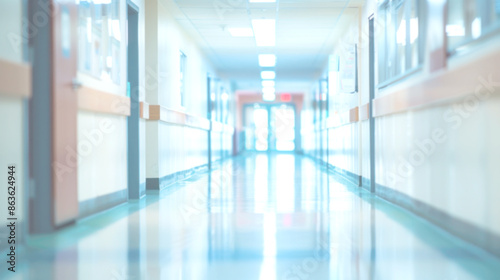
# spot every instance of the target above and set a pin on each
(269, 127)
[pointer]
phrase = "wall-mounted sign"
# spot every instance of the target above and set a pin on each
(349, 70)
(285, 97)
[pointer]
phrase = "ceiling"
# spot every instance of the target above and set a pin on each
(306, 31)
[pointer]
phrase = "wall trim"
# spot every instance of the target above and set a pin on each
(144, 110)
(15, 79)
(444, 86)
(347, 117)
(160, 113)
(95, 205)
(467, 231)
(364, 112)
(95, 100)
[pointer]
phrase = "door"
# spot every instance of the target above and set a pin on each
(64, 109)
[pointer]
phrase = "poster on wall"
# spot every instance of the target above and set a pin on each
(349, 70)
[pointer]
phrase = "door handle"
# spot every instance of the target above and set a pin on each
(76, 84)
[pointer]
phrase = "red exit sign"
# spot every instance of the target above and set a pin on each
(286, 97)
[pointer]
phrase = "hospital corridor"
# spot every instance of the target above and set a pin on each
(249, 139)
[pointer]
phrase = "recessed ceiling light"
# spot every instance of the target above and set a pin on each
(265, 32)
(241, 32)
(269, 97)
(267, 60)
(262, 1)
(268, 83)
(268, 90)
(268, 75)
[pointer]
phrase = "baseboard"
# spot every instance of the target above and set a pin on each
(366, 183)
(349, 176)
(101, 203)
(467, 231)
(158, 184)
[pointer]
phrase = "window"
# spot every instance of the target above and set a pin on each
(399, 44)
(100, 39)
(182, 79)
(469, 20)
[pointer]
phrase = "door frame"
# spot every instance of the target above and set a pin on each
(268, 107)
(371, 30)
(133, 121)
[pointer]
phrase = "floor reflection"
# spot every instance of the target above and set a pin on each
(261, 216)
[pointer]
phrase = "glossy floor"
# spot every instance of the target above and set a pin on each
(255, 217)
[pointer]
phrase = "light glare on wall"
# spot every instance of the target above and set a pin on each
(267, 60)
(268, 75)
(241, 32)
(265, 32)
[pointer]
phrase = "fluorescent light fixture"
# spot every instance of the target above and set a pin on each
(267, 60)
(269, 97)
(241, 32)
(268, 75)
(268, 83)
(265, 32)
(268, 90)
(262, 1)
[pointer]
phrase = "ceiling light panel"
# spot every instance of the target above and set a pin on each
(269, 97)
(268, 75)
(268, 83)
(265, 32)
(267, 60)
(268, 90)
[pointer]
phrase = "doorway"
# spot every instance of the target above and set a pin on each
(269, 127)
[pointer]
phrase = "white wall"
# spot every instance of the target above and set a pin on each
(455, 174)
(12, 113)
(172, 148)
(103, 169)
(11, 30)
(102, 150)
